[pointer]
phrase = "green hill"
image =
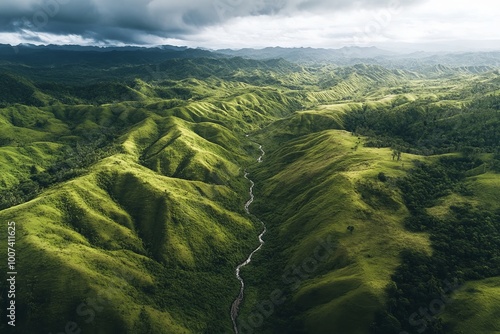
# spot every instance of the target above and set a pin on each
(127, 187)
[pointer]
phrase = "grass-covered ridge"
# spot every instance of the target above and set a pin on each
(313, 188)
(158, 217)
(127, 188)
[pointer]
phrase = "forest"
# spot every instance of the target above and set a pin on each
(127, 184)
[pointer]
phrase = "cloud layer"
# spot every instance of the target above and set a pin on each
(241, 23)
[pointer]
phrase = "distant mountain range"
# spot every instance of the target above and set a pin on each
(106, 56)
(74, 54)
(370, 55)
(126, 172)
(309, 54)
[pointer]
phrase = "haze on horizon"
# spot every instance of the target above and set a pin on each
(405, 25)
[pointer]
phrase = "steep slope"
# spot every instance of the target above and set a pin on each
(123, 218)
(127, 188)
(475, 308)
(19, 90)
(146, 238)
(331, 280)
(340, 238)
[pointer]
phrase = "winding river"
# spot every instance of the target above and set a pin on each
(239, 299)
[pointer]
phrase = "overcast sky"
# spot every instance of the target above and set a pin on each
(467, 24)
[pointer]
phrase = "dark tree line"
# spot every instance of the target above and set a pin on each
(423, 127)
(466, 246)
(73, 162)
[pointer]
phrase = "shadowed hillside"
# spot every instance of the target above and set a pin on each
(127, 187)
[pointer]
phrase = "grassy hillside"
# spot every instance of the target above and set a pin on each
(476, 303)
(311, 189)
(315, 183)
(139, 205)
(475, 308)
(127, 188)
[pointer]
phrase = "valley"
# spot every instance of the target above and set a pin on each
(239, 299)
(143, 203)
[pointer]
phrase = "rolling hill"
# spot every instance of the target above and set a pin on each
(127, 187)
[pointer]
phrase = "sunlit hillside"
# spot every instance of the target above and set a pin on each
(378, 187)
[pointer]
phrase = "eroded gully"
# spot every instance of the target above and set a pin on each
(239, 299)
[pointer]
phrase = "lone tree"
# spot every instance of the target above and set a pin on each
(350, 228)
(396, 154)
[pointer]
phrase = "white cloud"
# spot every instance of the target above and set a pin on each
(448, 20)
(261, 23)
(427, 22)
(45, 39)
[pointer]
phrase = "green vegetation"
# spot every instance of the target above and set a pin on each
(138, 203)
(466, 243)
(314, 188)
(379, 188)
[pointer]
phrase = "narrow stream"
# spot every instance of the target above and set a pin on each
(239, 299)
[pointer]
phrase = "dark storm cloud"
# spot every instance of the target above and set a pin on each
(129, 21)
